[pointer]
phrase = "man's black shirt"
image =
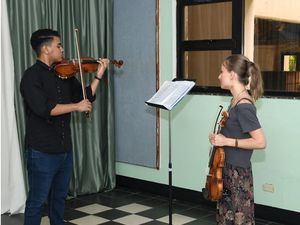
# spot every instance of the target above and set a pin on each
(42, 90)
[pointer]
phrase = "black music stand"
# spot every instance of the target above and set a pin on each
(169, 94)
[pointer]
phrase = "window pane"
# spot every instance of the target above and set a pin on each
(208, 21)
(277, 51)
(204, 66)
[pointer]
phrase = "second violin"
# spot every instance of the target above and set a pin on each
(68, 68)
(213, 190)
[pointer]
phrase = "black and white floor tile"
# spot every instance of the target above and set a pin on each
(129, 207)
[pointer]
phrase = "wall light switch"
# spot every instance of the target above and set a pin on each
(268, 188)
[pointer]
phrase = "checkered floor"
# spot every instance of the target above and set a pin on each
(126, 207)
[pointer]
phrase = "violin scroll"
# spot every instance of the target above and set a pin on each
(225, 116)
(117, 63)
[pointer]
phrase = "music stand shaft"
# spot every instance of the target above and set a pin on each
(170, 171)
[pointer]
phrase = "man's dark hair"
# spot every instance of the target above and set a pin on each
(42, 37)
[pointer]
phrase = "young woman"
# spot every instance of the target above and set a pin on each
(240, 136)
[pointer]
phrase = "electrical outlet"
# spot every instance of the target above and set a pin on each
(268, 188)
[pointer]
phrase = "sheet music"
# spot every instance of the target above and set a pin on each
(170, 93)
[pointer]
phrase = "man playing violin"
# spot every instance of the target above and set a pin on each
(49, 102)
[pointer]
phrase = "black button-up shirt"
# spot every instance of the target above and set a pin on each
(42, 90)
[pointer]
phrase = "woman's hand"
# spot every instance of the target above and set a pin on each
(217, 139)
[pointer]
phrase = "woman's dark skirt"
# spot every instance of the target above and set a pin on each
(236, 207)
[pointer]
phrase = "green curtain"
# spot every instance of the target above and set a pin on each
(93, 140)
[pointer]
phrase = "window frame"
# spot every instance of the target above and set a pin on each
(235, 44)
(281, 94)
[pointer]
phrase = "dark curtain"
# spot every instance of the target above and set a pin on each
(93, 140)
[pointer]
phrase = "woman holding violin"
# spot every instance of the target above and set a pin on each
(49, 101)
(241, 134)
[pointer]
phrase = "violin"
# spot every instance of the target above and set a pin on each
(68, 68)
(213, 190)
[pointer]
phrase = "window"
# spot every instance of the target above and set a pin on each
(206, 35)
(277, 51)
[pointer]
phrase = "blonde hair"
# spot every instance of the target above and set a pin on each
(247, 71)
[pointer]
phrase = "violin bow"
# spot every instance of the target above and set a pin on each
(80, 69)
